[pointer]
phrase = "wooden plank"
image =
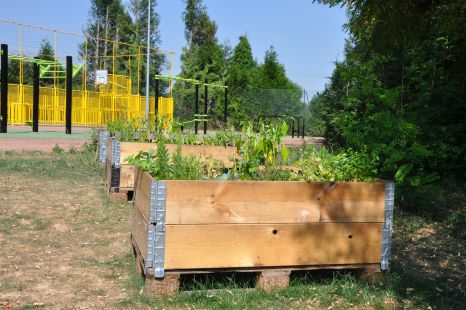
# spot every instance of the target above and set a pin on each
(270, 280)
(143, 182)
(142, 191)
(168, 286)
(223, 202)
(369, 267)
(127, 177)
(108, 163)
(139, 231)
(139, 260)
(133, 148)
(216, 152)
(108, 174)
(266, 245)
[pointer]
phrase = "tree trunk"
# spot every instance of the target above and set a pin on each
(97, 45)
(106, 38)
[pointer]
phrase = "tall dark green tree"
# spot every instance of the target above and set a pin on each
(139, 11)
(241, 77)
(108, 21)
(112, 22)
(199, 28)
(400, 92)
(202, 59)
(275, 94)
(242, 65)
(46, 52)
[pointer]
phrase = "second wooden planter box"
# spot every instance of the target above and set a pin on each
(119, 176)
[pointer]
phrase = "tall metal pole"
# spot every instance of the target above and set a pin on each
(302, 129)
(225, 107)
(69, 93)
(298, 127)
(35, 99)
(4, 98)
(206, 100)
(147, 60)
(156, 108)
(196, 108)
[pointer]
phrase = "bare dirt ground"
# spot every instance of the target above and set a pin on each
(21, 138)
(59, 240)
(44, 145)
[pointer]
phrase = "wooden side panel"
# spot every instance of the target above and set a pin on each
(217, 152)
(142, 192)
(139, 230)
(224, 202)
(132, 148)
(108, 163)
(266, 245)
(127, 177)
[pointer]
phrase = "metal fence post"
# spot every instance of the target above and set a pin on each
(156, 108)
(35, 99)
(4, 97)
(297, 133)
(196, 108)
(206, 95)
(69, 92)
(225, 106)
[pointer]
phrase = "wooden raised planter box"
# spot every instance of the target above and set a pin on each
(119, 176)
(269, 227)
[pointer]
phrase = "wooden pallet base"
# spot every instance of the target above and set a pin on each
(168, 286)
(270, 280)
(121, 195)
(267, 279)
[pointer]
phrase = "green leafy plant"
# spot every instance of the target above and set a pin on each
(156, 163)
(321, 165)
(180, 167)
(261, 148)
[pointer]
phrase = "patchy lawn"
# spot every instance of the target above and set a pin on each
(63, 244)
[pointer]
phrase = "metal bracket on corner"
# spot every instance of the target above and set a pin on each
(150, 247)
(115, 179)
(156, 229)
(387, 227)
(103, 137)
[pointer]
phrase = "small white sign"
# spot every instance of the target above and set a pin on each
(101, 77)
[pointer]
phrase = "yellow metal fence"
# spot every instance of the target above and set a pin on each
(89, 108)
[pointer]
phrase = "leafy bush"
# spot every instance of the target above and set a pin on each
(321, 165)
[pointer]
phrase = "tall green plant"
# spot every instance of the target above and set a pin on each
(261, 148)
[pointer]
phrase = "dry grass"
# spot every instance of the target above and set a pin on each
(59, 235)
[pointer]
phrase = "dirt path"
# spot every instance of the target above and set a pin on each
(21, 138)
(44, 145)
(62, 244)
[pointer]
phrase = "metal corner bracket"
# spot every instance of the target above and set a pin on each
(115, 178)
(156, 229)
(387, 227)
(103, 138)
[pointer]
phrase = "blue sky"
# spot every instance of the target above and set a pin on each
(308, 37)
